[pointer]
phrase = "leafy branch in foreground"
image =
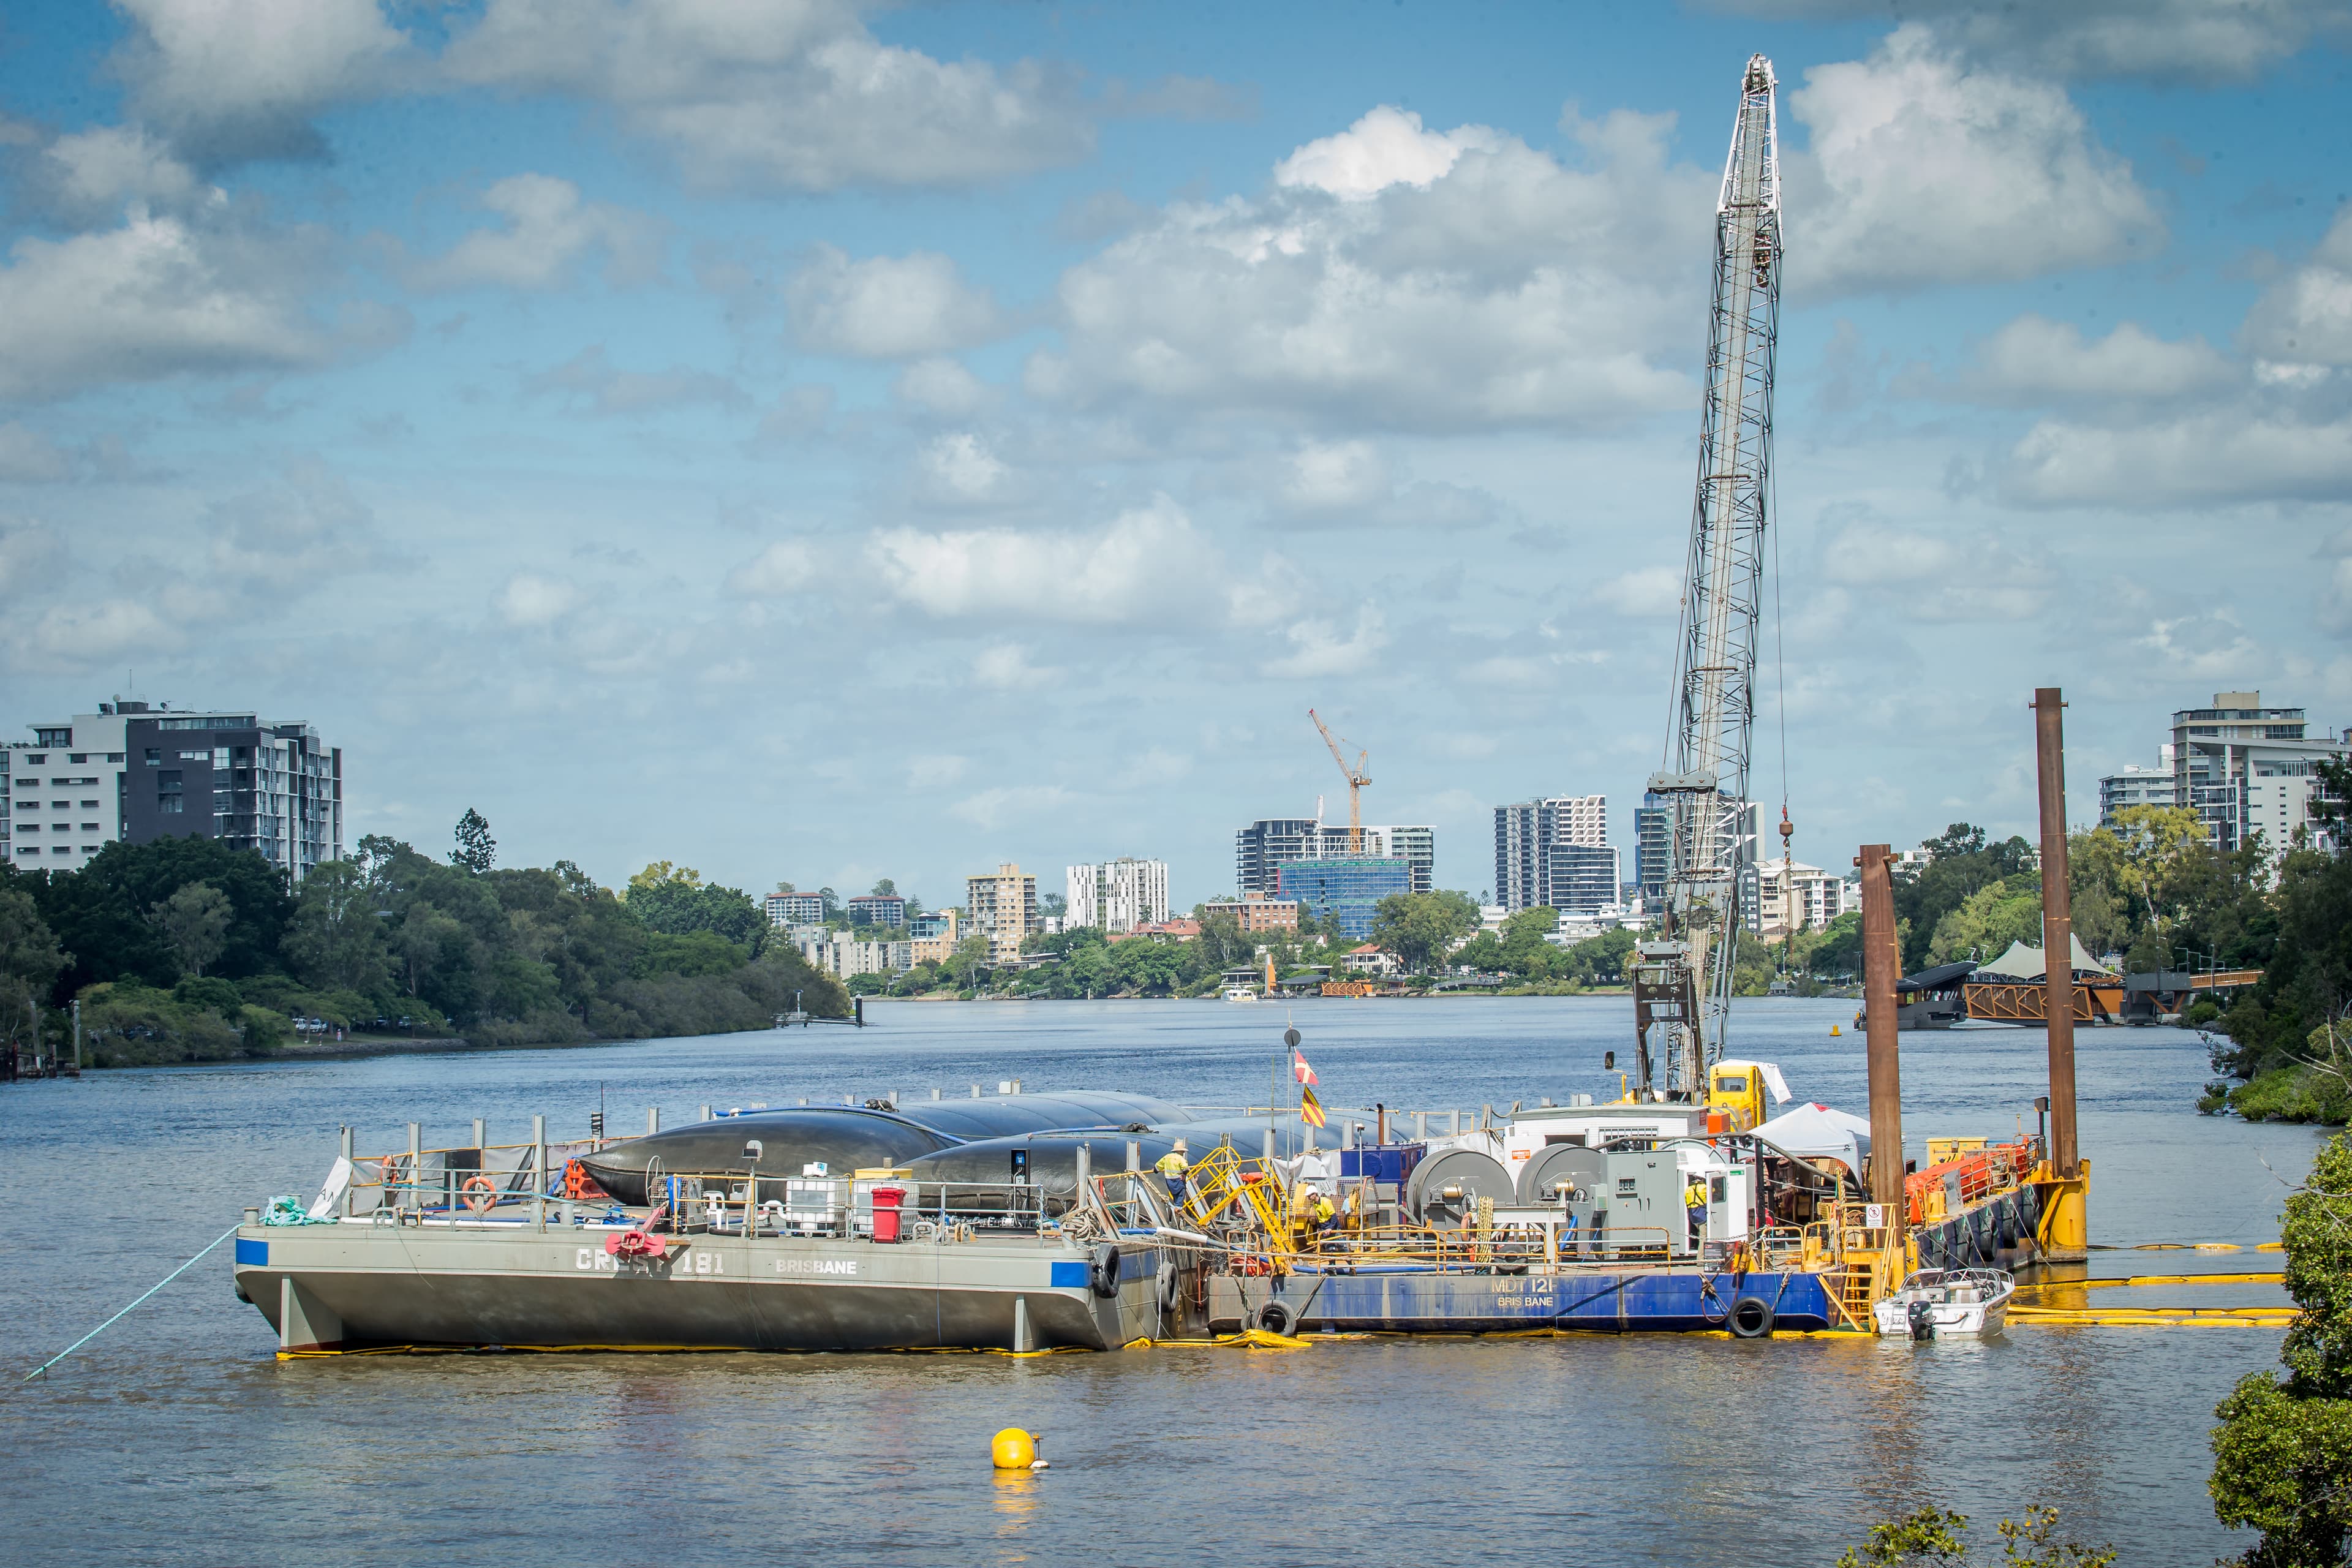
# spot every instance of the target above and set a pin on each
(1931, 1535)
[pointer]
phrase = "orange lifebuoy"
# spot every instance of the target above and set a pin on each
(388, 1173)
(481, 1193)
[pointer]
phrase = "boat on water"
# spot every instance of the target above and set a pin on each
(1237, 994)
(1971, 1303)
(1035, 1221)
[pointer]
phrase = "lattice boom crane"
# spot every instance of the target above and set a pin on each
(1357, 779)
(1682, 985)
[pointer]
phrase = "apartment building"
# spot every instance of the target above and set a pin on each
(1348, 886)
(2246, 769)
(1774, 893)
(1525, 834)
(1002, 907)
(1116, 895)
(787, 909)
(1580, 879)
(843, 956)
(1265, 846)
(132, 772)
(876, 910)
(1256, 913)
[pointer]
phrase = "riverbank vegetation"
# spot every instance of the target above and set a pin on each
(186, 950)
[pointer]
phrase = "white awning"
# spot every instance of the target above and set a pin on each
(1816, 1133)
(2023, 962)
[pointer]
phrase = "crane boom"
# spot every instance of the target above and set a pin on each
(1684, 983)
(1357, 779)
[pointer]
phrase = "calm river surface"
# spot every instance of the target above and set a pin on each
(177, 1438)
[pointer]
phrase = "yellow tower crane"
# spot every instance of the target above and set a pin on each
(1357, 779)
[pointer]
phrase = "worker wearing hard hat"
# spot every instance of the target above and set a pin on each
(1695, 1200)
(1172, 1166)
(1324, 1214)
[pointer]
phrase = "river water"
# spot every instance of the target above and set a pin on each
(178, 1437)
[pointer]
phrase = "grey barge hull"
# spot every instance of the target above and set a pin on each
(356, 1285)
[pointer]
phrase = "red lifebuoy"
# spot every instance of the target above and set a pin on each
(481, 1193)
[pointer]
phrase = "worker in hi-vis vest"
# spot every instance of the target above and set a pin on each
(1172, 1166)
(1695, 1200)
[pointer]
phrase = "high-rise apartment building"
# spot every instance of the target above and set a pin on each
(1002, 907)
(134, 772)
(876, 910)
(1775, 893)
(1116, 896)
(1580, 879)
(795, 909)
(1524, 834)
(2247, 769)
(1262, 847)
(2133, 785)
(1653, 844)
(1348, 886)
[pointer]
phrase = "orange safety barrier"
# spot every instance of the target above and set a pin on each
(580, 1186)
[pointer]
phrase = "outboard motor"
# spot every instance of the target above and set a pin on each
(1922, 1318)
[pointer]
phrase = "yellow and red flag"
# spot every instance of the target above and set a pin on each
(1310, 1109)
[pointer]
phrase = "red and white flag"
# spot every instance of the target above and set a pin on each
(1300, 1070)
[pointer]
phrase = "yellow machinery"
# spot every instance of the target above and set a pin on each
(1737, 1089)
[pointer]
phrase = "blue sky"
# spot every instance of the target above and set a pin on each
(809, 441)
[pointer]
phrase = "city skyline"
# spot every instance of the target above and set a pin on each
(850, 475)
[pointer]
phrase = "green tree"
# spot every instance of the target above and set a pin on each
(1961, 863)
(477, 851)
(194, 924)
(1527, 949)
(971, 956)
(676, 899)
(1987, 920)
(1224, 945)
(30, 959)
(2282, 1452)
(1147, 967)
(1932, 1535)
(337, 939)
(1421, 928)
(101, 912)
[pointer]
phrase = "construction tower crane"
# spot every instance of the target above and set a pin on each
(1682, 985)
(1357, 779)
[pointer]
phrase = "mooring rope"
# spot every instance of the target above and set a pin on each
(109, 1323)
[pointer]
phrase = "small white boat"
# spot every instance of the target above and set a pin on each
(1971, 1301)
(1238, 994)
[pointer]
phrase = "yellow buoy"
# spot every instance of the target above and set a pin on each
(1833, 1028)
(1013, 1450)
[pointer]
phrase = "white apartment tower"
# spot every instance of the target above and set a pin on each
(1118, 894)
(1525, 834)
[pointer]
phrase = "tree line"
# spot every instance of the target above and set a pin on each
(185, 949)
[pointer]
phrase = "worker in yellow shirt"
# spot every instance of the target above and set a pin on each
(1695, 1201)
(1172, 1166)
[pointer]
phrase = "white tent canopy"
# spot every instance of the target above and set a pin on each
(1815, 1133)
(2023, 962)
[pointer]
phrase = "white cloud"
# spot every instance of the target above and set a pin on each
(2191, 40)
(1921, 172)
(1386, 147)
(1645, 591)
(2306, 317)
(33, 561)
(298, 533)
(155, 297)
(886, 306)
(546, 232)
(992, 808)
(943, 388)
(2036, 360)
(1005, 667)
(1511, 289)
(1350, 484)
(1941, 579)
(960, 470)
(783, 569)
(2208, 645)
(89, 176)
(238, 79)
(935, 773)
(531, 600)
(779, 94)
(2237, 453)
(1147, 562)
(1319, 647)
(81, 635)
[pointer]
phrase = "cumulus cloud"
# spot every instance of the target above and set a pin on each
(779, 94)
(159, 296)
(1941, 579)
(89, 636)
(243, 78)
(1386, 147)
(2306, 317)
(2207, 646)
(1921, 170)
(530, 600)
(1005, 667)
(1505, 288)
(546, 232)
(783, 569)
(935, 772)
(590, 384)
(2176, 40)
(89, 177)
(1350, 484)
(301, 532)
(993, 808)
(1148, 562)
(1319, 648)
(1645, 591)
(2035, 360)
(942, 387)
(886, 306)
(2240, 452)
(959, 469)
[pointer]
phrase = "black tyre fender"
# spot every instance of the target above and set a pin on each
(1752, 1318)
(1102, 1273)
(1171, 1286)
(1275, 1318)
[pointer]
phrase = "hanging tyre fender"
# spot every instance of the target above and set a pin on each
(1102, 1273)
(1171, 1285)
(1752, 1318)
(1275, 1318)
